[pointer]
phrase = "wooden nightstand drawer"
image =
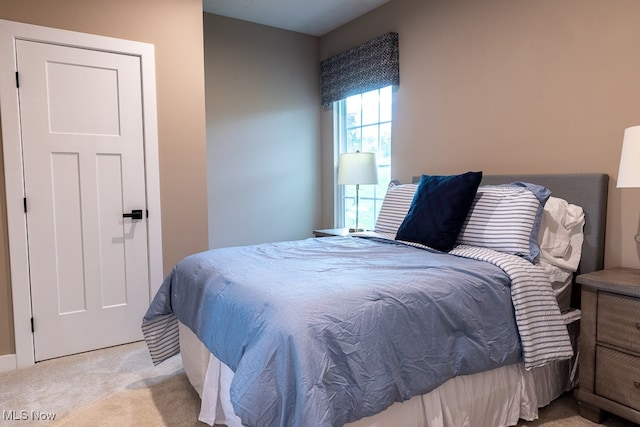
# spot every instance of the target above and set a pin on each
(618, 376)
(619, 321)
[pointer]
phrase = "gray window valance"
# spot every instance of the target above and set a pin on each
(372, 65)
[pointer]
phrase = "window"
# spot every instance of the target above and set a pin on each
(364, 124)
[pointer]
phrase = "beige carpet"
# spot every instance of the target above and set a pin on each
(119, 386)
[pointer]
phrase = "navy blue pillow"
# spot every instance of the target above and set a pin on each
(438, 210)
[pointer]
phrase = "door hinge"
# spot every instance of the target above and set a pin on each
(17, 81)
(33, 329)
(24, 202)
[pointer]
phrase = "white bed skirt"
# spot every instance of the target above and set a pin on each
(515, 393)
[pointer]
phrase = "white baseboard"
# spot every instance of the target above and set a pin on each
(8, 362)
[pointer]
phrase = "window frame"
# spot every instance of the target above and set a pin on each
(384, 162)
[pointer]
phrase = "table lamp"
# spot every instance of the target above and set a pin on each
(629, 170)
(357, 168)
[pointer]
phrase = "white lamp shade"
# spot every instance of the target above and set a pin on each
(357, 168)
(629, 171)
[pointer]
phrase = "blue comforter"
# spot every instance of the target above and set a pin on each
(321, 332)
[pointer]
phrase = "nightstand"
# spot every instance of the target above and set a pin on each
(328, 232)
(610, 344)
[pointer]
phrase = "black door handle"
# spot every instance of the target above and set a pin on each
(135, 214)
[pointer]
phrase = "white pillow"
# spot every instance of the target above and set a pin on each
(561, 234)
(394, 207)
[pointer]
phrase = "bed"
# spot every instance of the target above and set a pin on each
(371, 331)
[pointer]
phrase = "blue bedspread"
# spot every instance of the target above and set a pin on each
(321, 332)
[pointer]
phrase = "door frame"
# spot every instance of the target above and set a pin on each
(13, 162)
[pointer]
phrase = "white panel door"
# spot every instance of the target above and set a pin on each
(83, 151)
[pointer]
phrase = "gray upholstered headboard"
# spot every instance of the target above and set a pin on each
(586, 190)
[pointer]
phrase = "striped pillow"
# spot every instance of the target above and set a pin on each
(394, 207)
(506, 218)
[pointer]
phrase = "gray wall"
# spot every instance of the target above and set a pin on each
(481, 83)
(263, 132)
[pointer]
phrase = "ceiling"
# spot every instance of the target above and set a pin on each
(313, 17)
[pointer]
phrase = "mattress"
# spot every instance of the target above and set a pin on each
(514, 392)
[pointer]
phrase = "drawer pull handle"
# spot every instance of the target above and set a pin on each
(637, 384)
(638, 326)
